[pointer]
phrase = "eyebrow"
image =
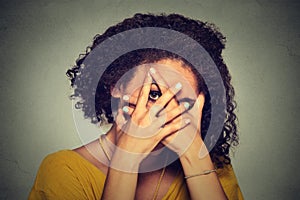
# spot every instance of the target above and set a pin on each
(186, 99)
(154, 83)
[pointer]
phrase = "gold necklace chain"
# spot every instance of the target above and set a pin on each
(160, 180)
(103, 149)
(161, 175)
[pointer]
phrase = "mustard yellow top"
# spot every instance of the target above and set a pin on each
(67, 175)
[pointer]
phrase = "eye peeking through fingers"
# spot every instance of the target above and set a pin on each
(154, 95)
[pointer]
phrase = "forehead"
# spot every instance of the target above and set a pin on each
(171, 72)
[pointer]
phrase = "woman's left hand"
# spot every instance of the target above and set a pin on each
(190, 136)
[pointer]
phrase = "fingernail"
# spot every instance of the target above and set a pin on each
(178, 86)
(125, 97)
(187, 121)
(152, 70)
(186, 105)
(125, 109)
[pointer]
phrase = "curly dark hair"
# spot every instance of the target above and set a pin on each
(206, 34)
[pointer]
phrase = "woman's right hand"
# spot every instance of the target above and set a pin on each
(147, 126)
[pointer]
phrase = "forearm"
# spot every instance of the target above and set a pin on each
(203, 186)
(119, 185)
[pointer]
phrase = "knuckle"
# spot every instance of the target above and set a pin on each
(169, 128)
(135, 115)
(158, 137)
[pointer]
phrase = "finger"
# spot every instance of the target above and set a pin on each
(174, 113)
(196, 110)
(129, 100)
(199, 103)
(176, 125)
(128, 110)
(171, 115)
(159, 79)
(144, 93)
(167, 96)
(171, 105)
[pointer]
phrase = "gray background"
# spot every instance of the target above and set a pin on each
(40, 40)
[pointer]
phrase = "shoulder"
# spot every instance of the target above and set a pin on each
(66, 175)
(60, 160)
(67, 163)
(56, 165)
(57, 156)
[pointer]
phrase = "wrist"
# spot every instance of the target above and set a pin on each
(196, 158)
(125, 161)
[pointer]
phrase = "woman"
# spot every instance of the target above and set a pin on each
(162, 103)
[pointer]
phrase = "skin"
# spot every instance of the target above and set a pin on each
(143, 129)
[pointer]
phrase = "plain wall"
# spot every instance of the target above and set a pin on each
(41, 39)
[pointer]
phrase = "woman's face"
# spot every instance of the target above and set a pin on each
(171, 72)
